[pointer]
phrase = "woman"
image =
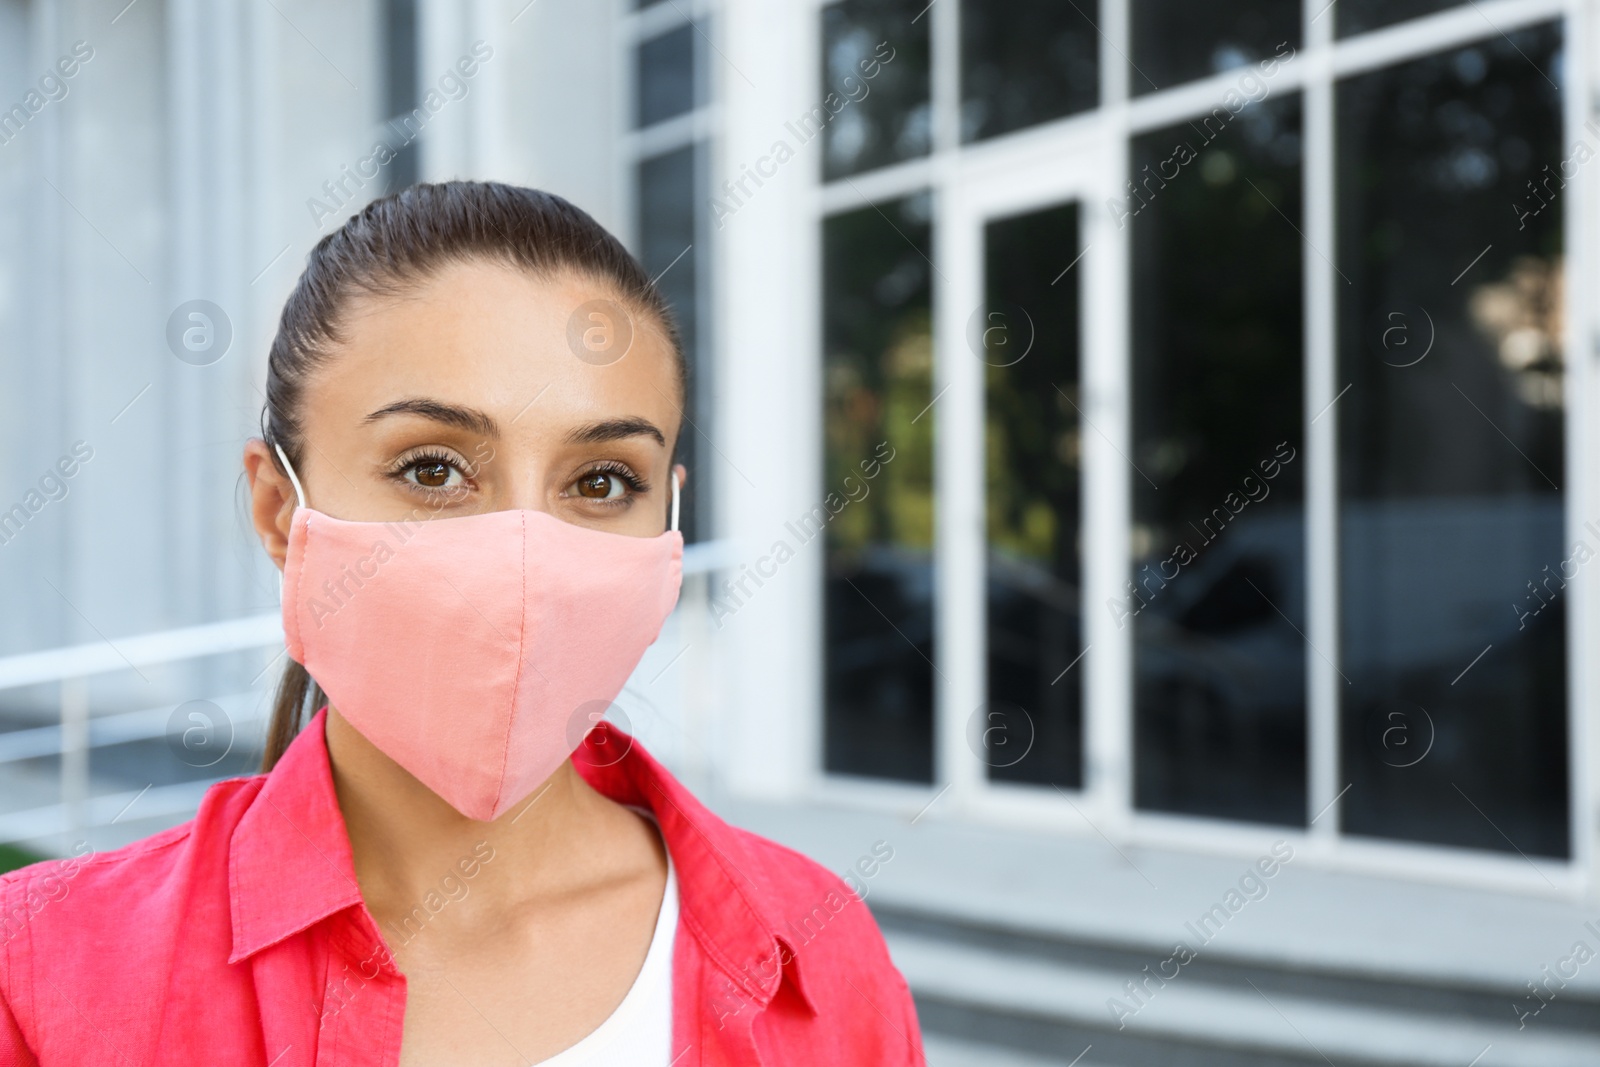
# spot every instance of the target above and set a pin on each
(465, 476)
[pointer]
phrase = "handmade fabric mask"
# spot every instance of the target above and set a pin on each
(478, 651)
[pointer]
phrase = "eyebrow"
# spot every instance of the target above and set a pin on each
(615, 430)
(478, 422)
(465, 418)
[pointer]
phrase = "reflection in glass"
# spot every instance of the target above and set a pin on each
(1358, 16)
(1452, 564)
(1179, 40)
(873, 106)
(666, 83)
(670, 253)
(876, 500)
(1217, 599)
(1026, 61)
(1028, 337)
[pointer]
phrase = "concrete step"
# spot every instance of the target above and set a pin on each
(1576, 1007)
(1053, 1009)
(954, 1052)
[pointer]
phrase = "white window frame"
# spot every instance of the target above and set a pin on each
(696, 126)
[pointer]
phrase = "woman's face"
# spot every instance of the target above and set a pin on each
(466, 396)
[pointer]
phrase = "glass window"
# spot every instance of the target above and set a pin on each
(876, 500)
(1027, 335)
(1357, 16)
(400, 89)
(1452, 564)
(670, 253)
(873, 107)
(1179, 40)
(1026, 61)
(666, 82)
(1217, 600)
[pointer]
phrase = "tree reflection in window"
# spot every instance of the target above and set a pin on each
(1451, 447)
(1033, 454)
(876, 501)
(1218, 601)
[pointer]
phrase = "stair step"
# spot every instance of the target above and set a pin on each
(1575, 1009)
(953, 1052)
(1056, 1008)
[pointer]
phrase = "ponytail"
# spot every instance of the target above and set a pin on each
(297, 691)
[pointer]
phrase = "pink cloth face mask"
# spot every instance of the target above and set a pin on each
(477, 652)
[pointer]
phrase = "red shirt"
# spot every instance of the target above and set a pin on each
(240, 937)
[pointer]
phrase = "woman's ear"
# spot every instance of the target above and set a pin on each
(272, 499)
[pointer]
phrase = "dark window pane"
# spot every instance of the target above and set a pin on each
(1179, 40)
(1450, 446)
(1027, 333)
(666, 82)
(874, 105)
(400, 91)
(1026, 61)
(876, 500)
(1357, 16)
(667, 227)
(1218, 595)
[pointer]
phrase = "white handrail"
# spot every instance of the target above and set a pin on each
(35, 824)
(118, 728)
(143, 650)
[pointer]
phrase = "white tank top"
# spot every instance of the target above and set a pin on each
(639, 1032)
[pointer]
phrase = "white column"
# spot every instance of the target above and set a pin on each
(442, 38)
(490, 152)
(767, 355)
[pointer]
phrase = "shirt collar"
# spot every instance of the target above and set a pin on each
(724, 892)
(294, 825)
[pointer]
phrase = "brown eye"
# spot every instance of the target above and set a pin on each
(597, 485)
(605, 485)
(432, 475)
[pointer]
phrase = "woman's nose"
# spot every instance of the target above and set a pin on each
(525, 488)
(506, 482)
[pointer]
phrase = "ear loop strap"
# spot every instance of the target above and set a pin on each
(300, 498)
(674, 500)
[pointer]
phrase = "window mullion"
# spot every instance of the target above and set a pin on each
(1321, 439)
(958, 433)
(1108, 504)
(1581, 106)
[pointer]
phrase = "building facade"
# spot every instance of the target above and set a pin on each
(1119, 424)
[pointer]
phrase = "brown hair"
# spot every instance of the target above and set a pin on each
(394, 244)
